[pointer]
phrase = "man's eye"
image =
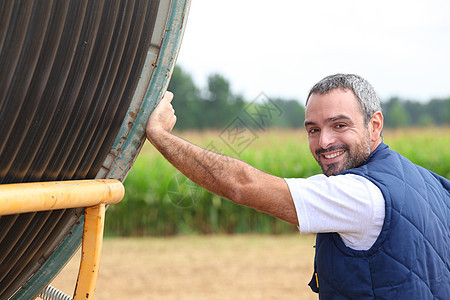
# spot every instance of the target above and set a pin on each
(313, 130)
(340, 126)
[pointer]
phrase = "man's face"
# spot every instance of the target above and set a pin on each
(338, 138)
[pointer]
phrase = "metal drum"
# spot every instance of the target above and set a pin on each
(78, 81)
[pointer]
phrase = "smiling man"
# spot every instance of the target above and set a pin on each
(382, 222)
(339, 136)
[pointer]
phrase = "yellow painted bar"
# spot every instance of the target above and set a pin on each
(94, 219)
(93, 194)
(39, 196)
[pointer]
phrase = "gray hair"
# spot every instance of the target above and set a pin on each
(364, 92)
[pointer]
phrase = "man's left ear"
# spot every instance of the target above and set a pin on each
(376, 127)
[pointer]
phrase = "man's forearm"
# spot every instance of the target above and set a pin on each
(227, 177)
(223, 175)
(217, 173)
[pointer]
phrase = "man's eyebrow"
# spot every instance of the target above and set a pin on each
(329, 120)
(338, 118)
(309, 123)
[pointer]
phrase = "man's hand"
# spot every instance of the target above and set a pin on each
(162, 118)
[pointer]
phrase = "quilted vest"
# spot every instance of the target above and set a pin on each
(410, 258)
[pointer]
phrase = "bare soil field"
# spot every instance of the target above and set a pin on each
(201, 267)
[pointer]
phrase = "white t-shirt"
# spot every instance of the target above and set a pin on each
(350, 205)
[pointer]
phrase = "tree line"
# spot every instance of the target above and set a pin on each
(216, 106)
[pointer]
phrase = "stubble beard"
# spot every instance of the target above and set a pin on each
(354, 159)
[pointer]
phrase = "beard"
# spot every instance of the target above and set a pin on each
(355, 157)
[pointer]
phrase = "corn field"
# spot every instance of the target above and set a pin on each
(160, 201)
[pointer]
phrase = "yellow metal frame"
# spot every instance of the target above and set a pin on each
(92, 194)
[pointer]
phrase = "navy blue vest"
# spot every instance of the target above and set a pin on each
(410, 258)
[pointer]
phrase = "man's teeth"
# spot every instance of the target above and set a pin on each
(333, 155)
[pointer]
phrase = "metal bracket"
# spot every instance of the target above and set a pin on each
(92, 194)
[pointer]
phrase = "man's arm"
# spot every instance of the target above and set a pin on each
(223, 175)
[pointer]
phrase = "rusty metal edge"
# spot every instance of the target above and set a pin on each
(131, 137)
(129, 140)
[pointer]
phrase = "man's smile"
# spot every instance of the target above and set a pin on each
(333, 154)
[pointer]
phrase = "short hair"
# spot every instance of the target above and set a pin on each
(364, 92)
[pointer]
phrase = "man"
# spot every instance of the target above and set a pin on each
(382, 222)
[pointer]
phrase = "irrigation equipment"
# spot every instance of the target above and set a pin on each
(78, 82)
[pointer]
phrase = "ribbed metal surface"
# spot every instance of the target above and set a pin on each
(68, 71)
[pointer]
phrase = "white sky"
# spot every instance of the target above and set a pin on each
(283, 47)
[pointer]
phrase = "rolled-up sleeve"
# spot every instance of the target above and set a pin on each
(350, 205)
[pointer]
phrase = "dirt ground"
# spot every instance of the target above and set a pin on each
(201, 267)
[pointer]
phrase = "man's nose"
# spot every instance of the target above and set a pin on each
(327, 138)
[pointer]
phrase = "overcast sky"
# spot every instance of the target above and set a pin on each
(283, 47)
